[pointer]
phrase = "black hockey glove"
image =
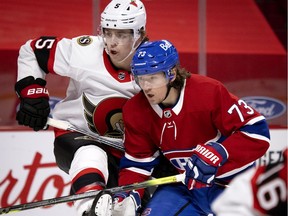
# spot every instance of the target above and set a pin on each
(34, 102)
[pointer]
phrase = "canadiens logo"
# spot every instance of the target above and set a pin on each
(269, 107)
(84, 40)
(179, 158)
(179, 163)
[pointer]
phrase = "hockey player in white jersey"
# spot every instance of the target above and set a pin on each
(100, 83)
(261, 191)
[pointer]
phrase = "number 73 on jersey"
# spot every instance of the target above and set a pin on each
(235, 107)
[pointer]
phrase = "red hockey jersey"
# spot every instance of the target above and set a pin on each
(205, 112)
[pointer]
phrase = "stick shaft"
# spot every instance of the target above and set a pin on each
(70, 198)
(149, 183)
(64, 125)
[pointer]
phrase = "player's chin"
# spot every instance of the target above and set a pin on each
(116, 58)
(152, 100)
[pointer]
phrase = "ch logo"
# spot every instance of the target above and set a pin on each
(179, 163)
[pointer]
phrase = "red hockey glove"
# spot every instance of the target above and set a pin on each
(126, 203)
(202, 167)
(34, 102)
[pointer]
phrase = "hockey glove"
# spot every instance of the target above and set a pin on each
(126, 204)
(34, 102)
(202, 167)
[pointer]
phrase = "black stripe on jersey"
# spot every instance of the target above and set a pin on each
(87, 179)
(42, 49)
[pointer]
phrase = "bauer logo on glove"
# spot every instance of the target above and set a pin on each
(34, 102)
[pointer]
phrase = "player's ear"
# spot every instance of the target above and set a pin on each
(173, 73)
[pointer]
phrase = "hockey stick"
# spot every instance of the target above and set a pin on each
(70, 198)
(64, 125)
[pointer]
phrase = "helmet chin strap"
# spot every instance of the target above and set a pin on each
(133, 48)
(167, 93)
(131, 51)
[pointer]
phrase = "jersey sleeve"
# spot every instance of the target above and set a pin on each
(245, 132)
(42, 55)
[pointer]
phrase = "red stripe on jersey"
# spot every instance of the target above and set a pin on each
(119, 75)
(51, 60)
(90, 188)
(58, 132)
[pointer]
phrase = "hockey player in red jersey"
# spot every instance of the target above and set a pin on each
(100, 83)
(205, 131)
(257, 192)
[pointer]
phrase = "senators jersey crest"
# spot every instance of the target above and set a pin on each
(105, 119)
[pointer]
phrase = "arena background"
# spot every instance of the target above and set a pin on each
(242, 43)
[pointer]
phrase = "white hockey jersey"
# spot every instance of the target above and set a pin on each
(97, 90)
(257, 192)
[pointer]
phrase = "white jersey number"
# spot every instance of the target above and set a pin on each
(271, 201)
(48, 43)
(235, 107)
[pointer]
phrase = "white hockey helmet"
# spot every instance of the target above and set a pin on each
(124, 14)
